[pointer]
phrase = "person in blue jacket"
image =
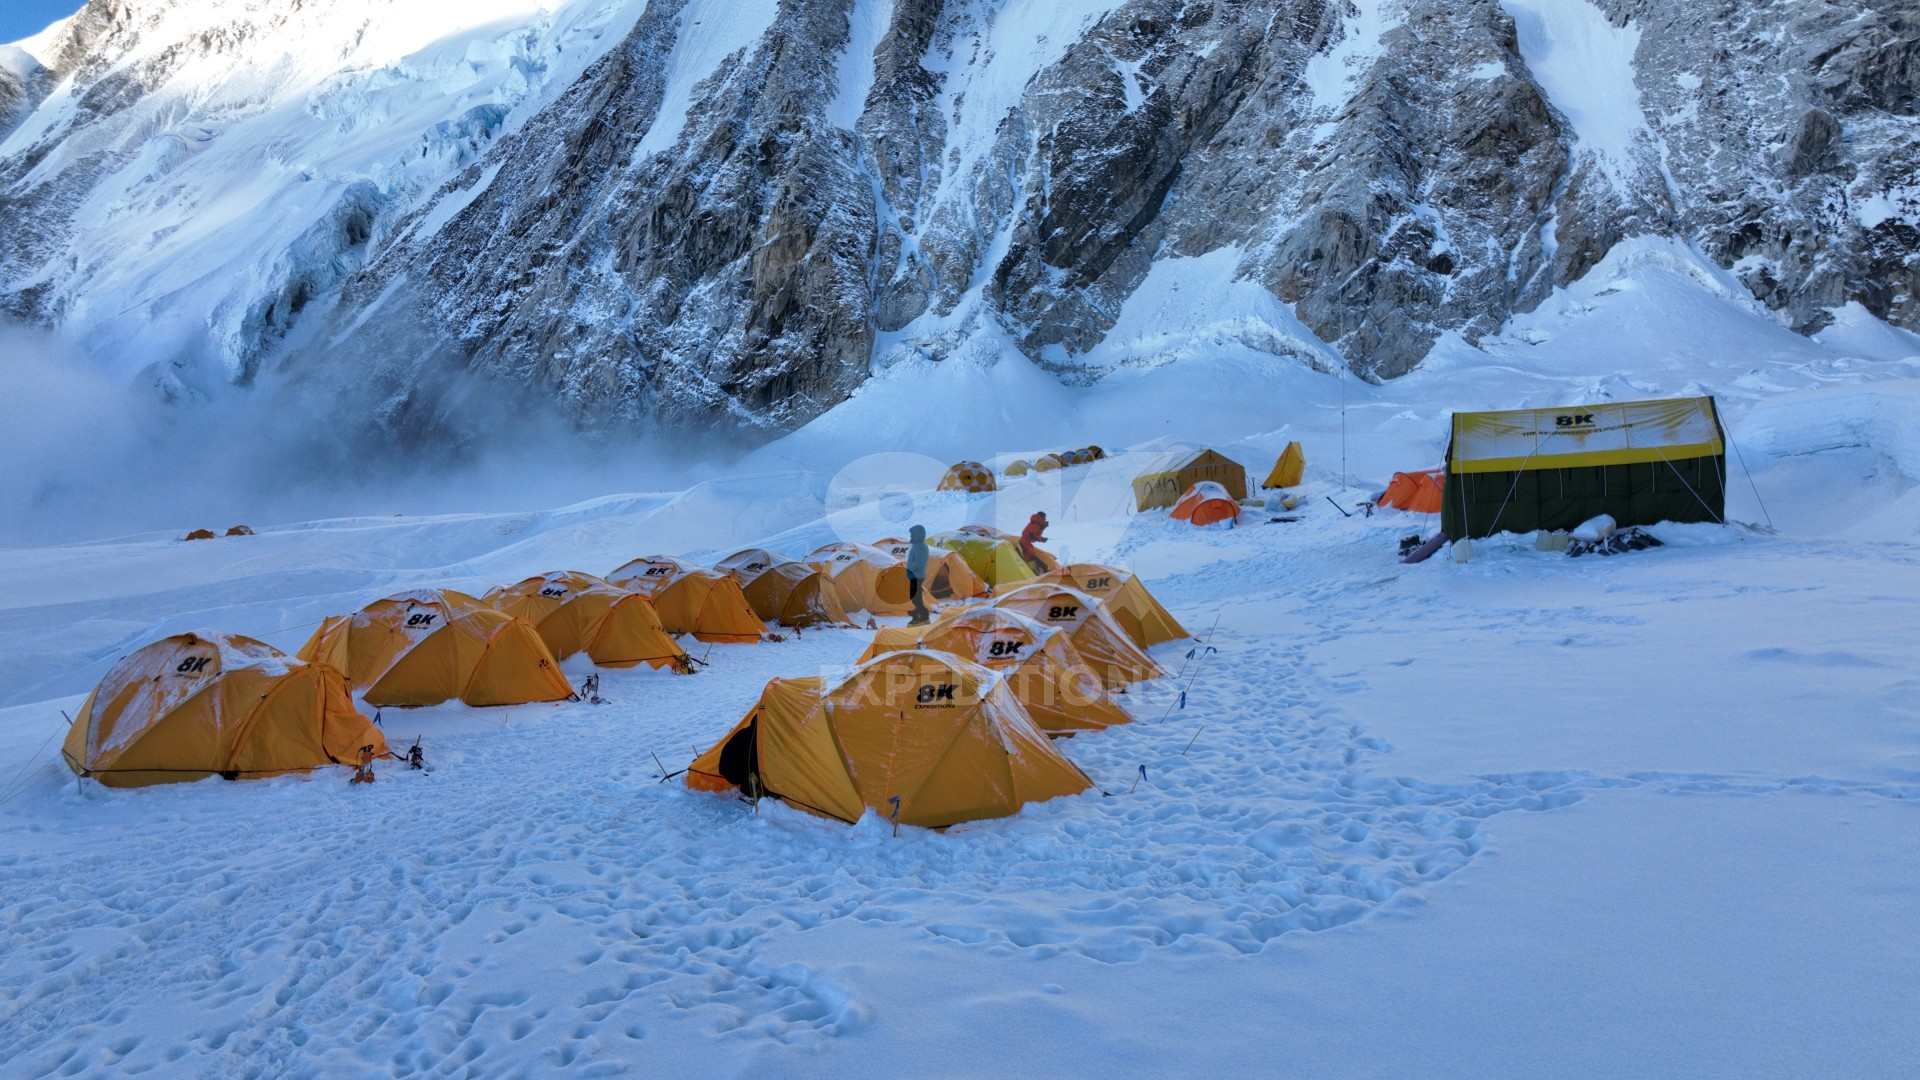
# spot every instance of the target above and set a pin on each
(917, 574)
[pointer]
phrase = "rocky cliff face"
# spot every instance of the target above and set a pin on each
(683, 213)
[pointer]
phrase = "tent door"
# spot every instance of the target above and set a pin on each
(741, 756)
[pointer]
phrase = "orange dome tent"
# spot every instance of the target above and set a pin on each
(921, 738)
(1122, 596)
(1206, 503)
(575, 612)
(434, 645)
(784, 590)
(1045, 673)
(691, 599)
(1420, 492)
(1100, 641)
(202, 704)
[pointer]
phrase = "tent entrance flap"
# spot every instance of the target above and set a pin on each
(740, 757)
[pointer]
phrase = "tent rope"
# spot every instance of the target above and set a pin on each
(1717, 519)
(20, 782)
(1511, 491)
(1741, 458)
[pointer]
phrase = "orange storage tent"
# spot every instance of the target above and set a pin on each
(691, 599)
(1420, 492)
(434, 645)
(203, 704)
(1044, 671)
(1206, 503)
(575, 612)
(920, 738)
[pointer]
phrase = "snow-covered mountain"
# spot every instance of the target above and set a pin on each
(738, 210)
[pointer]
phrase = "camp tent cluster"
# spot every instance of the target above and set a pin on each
(934, 725)
(206, 704)
(1059, 459)
(952, 721)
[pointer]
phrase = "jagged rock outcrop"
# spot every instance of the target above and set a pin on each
(689, 216)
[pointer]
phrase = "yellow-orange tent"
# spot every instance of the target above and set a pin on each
(967, 476)
(575, 612)
(1122, 596)
(196, 705)
(1288, 468)
(1168, 476)
(996, 559)
(1101, 642)
(1041, 666)
(948, 575)
(434, 645)
(784, 590)
(1048, 463)
(691, 599)
(943, 737)
(867, 578)
(1019, 467)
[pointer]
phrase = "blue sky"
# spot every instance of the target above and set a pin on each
(20, 18)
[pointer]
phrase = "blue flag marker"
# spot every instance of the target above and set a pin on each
(376, 719)
(1183, 699)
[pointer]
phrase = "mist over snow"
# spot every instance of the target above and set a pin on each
(90, 455)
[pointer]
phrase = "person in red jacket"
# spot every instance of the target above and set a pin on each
(1034, 533)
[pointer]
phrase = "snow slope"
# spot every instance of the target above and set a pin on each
(1655, 814)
